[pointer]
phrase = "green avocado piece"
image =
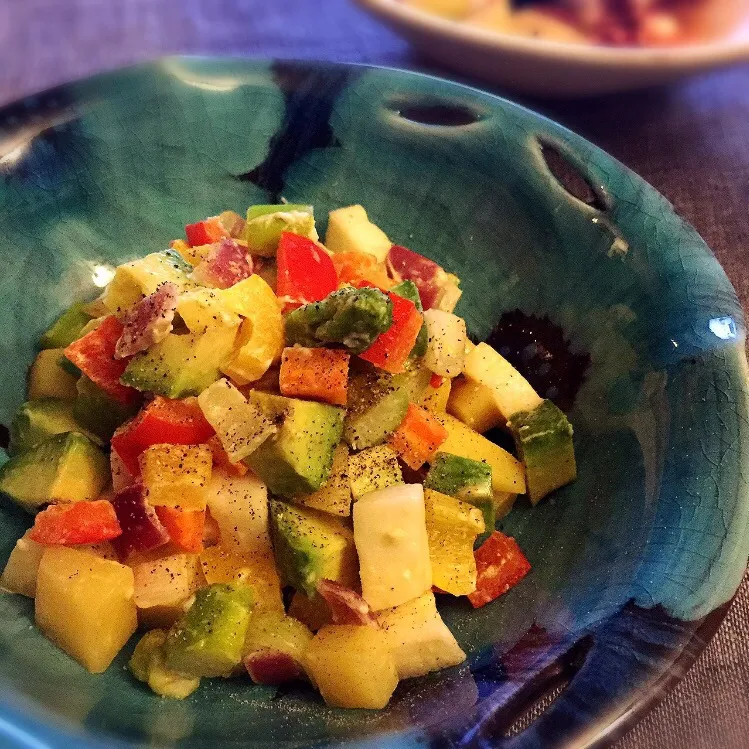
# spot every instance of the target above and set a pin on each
(208, 640)
(148, 664)
(465, 479)
(310, 546)
(66, 467)
(98, 412)
(407, 290)
(66, 329)
(298, 458)
(37, 420)
(266, 223)
(352, 317)
(543, 438)
(180, 365)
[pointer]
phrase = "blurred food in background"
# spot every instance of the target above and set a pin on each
(646, 23)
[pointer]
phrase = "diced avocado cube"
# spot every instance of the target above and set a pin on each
(310, 546)
(66, 329)
(352, 317)
(37, 420)
(266, 223)
(372, 469)
(148, 664)
(181, 365)
(543, 438)
(209, 639)
(48, 379)
(98, 412)
(350, 230)
(407, 289)
(135, 280)
(334, 496)
(298, 458)
(465, 479)
(377, 404)
(67, 468)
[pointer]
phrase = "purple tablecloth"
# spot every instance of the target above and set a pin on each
(690, 140)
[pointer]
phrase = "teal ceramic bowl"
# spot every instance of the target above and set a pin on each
(611, 304)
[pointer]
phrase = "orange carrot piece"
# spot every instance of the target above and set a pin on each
(418, 437)
(185, 527)
(315, 373)
(355, 267)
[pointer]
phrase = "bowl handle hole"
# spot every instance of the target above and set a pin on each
(570, 176)
(436, 113)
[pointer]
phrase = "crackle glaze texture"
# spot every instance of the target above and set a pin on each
(632, 564)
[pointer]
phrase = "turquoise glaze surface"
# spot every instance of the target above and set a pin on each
(632, 564)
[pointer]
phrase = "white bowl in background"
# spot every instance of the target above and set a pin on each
(548, 68)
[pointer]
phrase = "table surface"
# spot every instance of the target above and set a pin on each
(689, 140)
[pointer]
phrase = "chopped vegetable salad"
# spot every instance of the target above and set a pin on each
(267, 452)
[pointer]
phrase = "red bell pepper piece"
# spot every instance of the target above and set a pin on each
(207, 231)
(94, 356)
(305, 271)
(185, 527)
(500, 565)
(76, 523)
(391, 348)
(418, 437)
(162, 421)
(141, 528)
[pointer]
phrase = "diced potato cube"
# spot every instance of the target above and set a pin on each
(19, 575)
(512, 392)
(419, 640)
(85, 605)
(227, 565)
(166, 581)
(176, 475)
(352, 666)
(240, 425)
(372, 469)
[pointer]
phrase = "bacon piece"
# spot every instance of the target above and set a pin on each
(272, 667)
(346, 605)
(149, 322)
(227, 264)
(428, 276)
(141, 528)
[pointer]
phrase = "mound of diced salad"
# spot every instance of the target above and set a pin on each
(267, 452)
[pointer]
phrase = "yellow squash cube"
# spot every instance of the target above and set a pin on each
(352, 666)
(508, 473)
(452, 527)
(372, 469)
(334, 496)
(227, 565)
(202, 310)
(85, 605)
(474, 405)
(435, 398)
(19, 575)
(47, 379)
(261, 336)
(176, 475)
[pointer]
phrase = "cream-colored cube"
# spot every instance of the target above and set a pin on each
(352, 666)
(85, 605)
(350, 230)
